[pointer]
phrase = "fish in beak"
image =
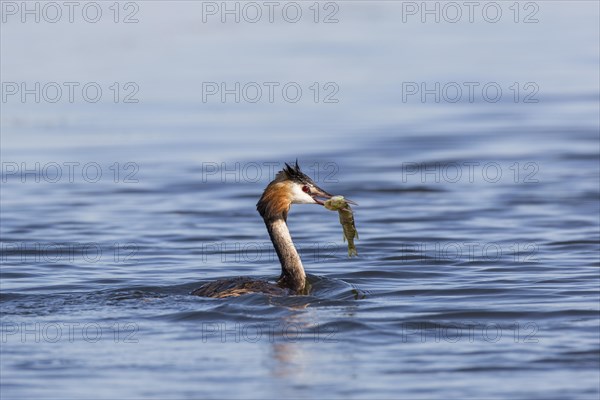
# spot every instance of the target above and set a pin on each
(319, 195)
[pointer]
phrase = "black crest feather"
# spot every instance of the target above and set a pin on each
(295, 174)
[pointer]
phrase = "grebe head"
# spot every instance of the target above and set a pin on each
(290, 186)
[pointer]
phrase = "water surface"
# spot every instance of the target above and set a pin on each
(477, 274)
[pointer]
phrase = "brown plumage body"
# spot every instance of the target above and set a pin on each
(238, 286)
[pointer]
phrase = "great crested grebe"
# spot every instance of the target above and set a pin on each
(290, 186)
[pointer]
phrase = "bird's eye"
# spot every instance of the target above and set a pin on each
(305, 189)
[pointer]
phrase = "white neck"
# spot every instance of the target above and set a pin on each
(292, 271)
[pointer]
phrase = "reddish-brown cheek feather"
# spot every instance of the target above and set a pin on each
(277, 199)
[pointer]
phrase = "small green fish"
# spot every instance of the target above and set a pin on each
(337, 203)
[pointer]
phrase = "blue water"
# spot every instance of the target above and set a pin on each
(479, 222)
